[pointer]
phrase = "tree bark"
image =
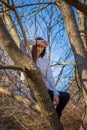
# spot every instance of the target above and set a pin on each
(77, 47)
(34, 78)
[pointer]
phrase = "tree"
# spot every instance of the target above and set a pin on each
(78, 49)
(34, 78)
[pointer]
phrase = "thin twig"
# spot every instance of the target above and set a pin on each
(26, 128)
(14, 111)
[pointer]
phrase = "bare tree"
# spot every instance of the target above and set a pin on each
(33, 76)
(78, 49)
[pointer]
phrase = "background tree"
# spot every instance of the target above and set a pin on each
(78, 49)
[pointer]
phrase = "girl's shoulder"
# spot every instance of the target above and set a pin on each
(44, 59)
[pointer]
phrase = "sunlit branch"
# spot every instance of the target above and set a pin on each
(20, 99)
(65, 63)
(17, 97)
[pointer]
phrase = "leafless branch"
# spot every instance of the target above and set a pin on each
(65, 63)
(78, 5)
(11, 67)
(20, 99)
(17, 97)
(22, 6)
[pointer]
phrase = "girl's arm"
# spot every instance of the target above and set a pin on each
(51, 80)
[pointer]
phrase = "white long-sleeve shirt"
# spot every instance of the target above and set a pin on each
(43, 65)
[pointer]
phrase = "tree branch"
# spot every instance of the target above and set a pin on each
(33, 76)
(64, 63)
(78, 5)
(12, 67)
(20, 99)
(25, 5)
(17, 97)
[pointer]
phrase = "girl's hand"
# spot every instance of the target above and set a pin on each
(56, 101)
(43, 43)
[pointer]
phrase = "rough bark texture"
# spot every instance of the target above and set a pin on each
(78, 49)
(34, 77)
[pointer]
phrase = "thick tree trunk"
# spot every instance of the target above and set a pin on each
(78, 49)
(34, 77)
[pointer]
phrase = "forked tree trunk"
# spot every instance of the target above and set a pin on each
(34, 78)
(78, 49)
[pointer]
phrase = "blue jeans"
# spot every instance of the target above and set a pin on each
(63, 100)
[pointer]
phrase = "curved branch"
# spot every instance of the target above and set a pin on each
(78, 5)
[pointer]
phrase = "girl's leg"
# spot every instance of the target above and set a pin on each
(63, 100)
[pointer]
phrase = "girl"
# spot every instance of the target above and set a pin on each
(59, 99)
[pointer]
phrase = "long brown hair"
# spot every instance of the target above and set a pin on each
(34, 50)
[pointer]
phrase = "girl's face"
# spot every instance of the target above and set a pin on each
(40, 49)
